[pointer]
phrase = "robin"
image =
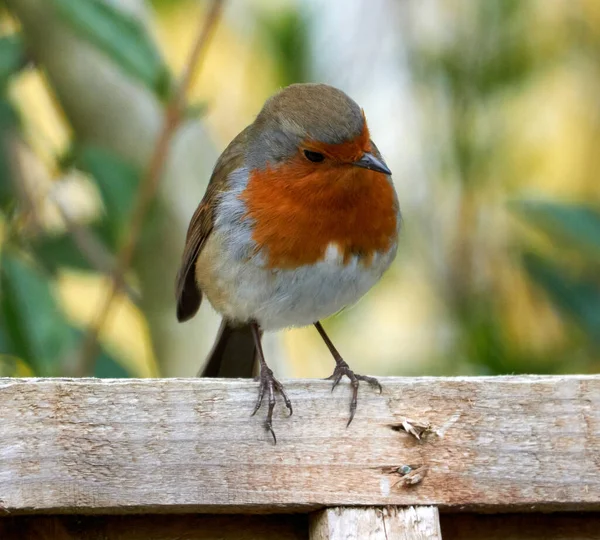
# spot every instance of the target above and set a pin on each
(299, 220)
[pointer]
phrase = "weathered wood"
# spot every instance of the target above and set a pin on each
(412, 523)
(155, 527)
(167, 445)
(564, 526)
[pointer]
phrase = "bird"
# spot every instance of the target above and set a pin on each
(299, 220)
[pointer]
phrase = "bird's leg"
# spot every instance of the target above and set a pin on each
(268, 383)
(341, 369)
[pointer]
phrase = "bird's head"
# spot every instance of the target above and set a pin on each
(313, 130)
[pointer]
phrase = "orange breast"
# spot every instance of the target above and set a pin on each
(300, 208)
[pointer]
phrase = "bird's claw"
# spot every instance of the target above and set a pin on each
(341, 369)
(270, 383)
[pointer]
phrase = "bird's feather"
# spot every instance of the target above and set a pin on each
(188, 295)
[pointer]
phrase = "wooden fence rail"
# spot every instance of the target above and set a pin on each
(182, 446)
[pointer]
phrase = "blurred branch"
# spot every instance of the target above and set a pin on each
(29, 215)
(148, 187)
(91, 248)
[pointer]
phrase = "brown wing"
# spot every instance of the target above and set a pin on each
(188, 294)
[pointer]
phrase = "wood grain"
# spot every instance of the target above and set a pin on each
(190, 445)
(411, 523)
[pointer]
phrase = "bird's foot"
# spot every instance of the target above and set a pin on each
(271, 385)
(342, 369)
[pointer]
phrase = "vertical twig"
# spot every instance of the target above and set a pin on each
(149, 185)
(92, 249)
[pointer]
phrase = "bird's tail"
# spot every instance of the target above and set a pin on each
(233, 354)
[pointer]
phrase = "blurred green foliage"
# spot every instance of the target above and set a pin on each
(118, 182)
(33, 328)
(12, 57)
(572, 282)
(122, 37)
(286, 38)
(38, 332)
(489, 54)
(575, 226)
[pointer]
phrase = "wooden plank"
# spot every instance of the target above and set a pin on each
(190, 445)
(565, 526)
(412, 523)
(156, 527)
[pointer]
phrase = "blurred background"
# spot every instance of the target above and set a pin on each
(488, 114)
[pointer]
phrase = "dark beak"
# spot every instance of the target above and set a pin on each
(369, 161)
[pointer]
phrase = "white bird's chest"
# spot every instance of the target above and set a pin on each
(241, 286)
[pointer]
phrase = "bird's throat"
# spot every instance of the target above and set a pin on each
(298, 214)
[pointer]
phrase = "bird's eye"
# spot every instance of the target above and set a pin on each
(315, 157)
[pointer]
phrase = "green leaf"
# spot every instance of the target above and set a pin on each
(120, 36)
(6, 345)
(12, 57)
(577, 297)
(576, 225)
(54, 251)
(287, 36)
(59, 251)
(107, 367)
(8, 365)
(117, 181)
(31, 318)
(9, 118)
(9, 121)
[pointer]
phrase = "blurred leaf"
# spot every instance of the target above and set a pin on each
(9, 121)
(59, 250)
(117, 181)
(286, 35)
(11, 366)
(487, 55)
(6, 346)
(577, 297)
(490, 350)
(55, 251)
(12, 57)
(195, 110)
(8, 366)
(490, 51)
(108, 367)
(31, 317)
(9, 118)
(576, 225)
(121, 36)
